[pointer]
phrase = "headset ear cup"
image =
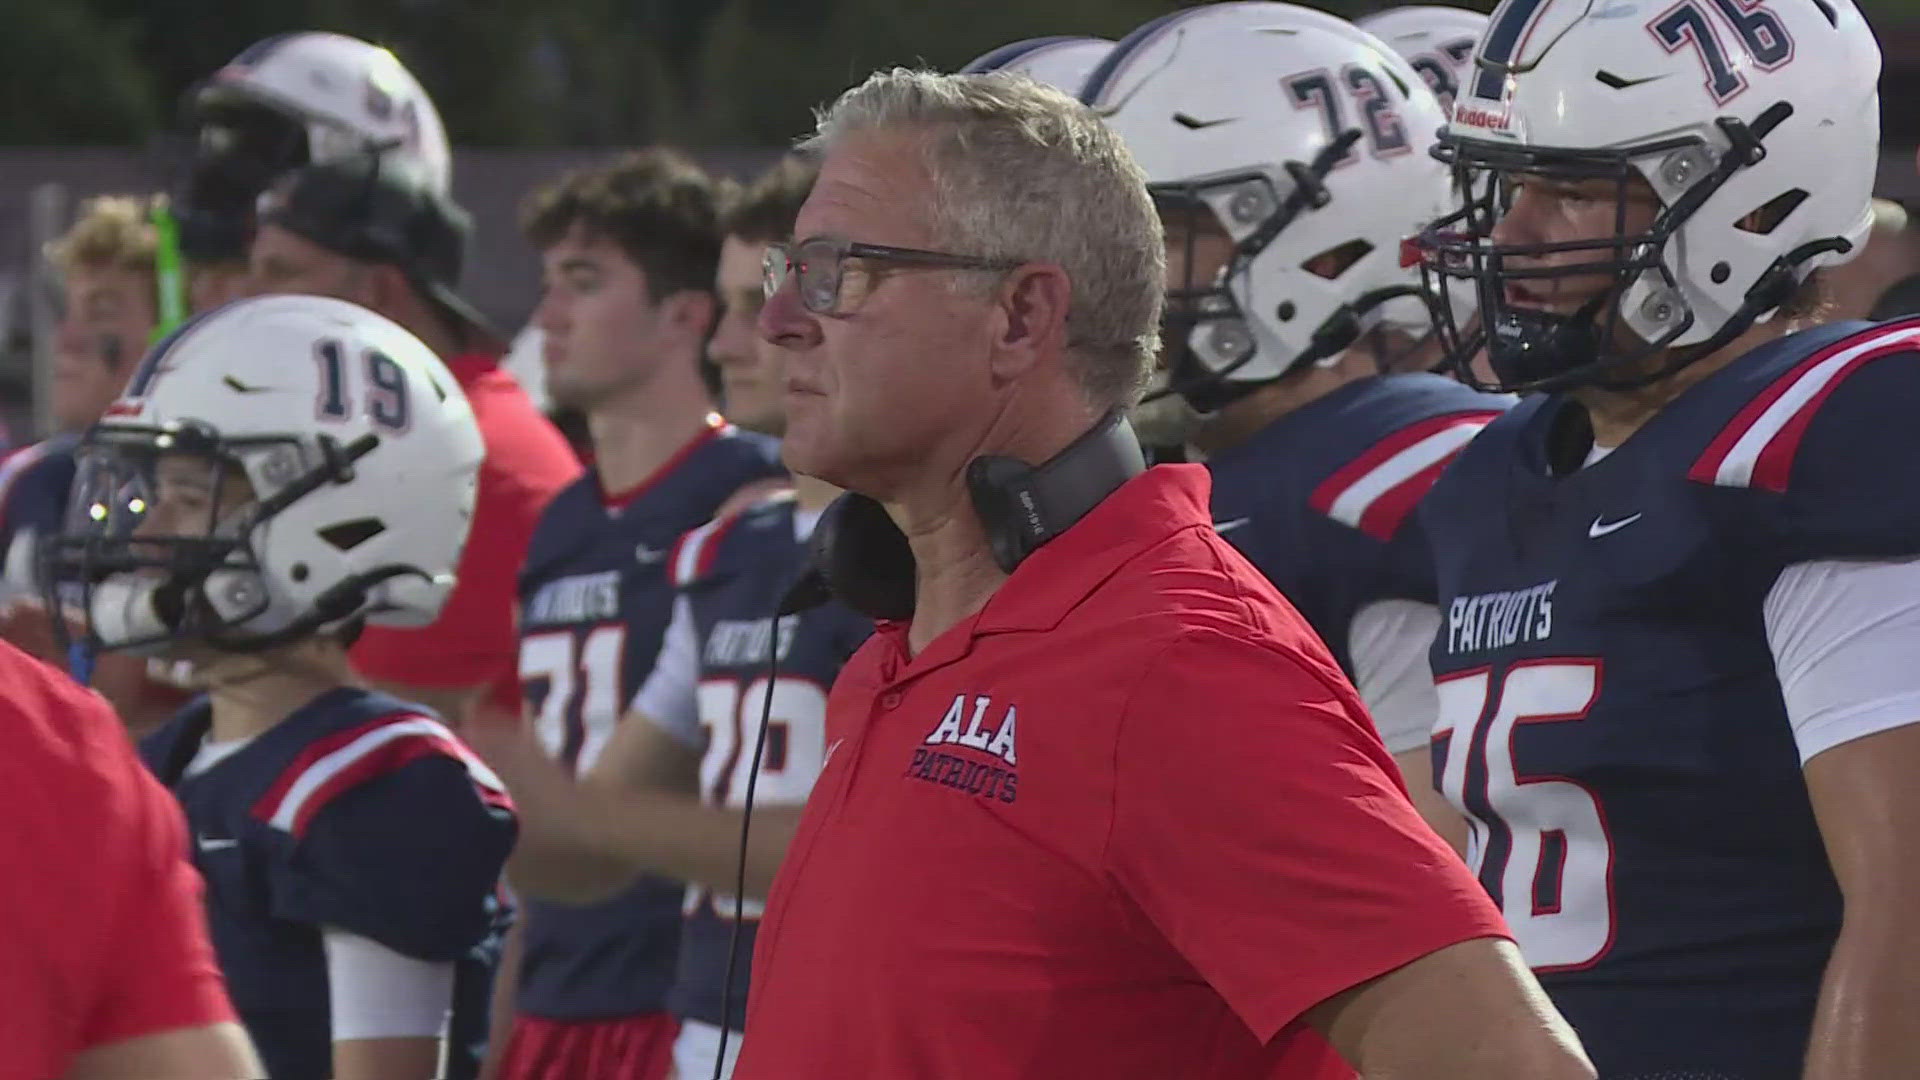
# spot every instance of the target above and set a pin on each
(864, 559)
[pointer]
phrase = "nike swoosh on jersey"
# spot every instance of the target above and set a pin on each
(647, 556)
(1602, 527)
(213, 843)
(1229, 526)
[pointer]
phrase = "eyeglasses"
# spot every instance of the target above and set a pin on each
(820, 263)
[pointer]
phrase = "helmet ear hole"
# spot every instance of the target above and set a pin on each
(347, 535)
(1767, 217)
(1337, 260)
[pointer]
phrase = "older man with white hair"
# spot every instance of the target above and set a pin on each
(1096, 802)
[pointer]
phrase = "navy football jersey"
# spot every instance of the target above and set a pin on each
(595, 601)
(358, 812)
(733, 574)
(34, 483)
(1611, 718)
(1322, 499)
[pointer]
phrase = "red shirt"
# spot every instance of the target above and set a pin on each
(474, 641)
(1128, 820)
(104, 938)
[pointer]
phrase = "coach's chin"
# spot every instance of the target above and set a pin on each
(1113, 812)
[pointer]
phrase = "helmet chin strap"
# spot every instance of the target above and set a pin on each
(1580, 333)
(131, 607)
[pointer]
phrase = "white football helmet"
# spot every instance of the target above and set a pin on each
(1436, 41)
(291, 100)
(1755, 122)
(1308, 142)
(1060, 62)
(361, 452)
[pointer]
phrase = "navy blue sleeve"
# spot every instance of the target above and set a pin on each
(1405, 567)
(33, 496)
(411, 859)
(1851, 465)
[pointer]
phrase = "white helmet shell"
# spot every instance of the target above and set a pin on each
(351, 95)
(1228, 103)
(1436, 40)
(1060, 62)
(1655, 84)
(295, 391)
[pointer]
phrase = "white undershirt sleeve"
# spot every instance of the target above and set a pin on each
(1846, 648)
(669, 697)
(1388, 642)
(376, 993)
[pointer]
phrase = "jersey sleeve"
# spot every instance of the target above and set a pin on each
(397, 834)
(669, 698)
(1843, 636)
(33, 495)
(1830, 449)
(1389, 642)
(1260, 826)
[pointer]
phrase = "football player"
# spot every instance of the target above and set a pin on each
(286, 101)
(1284, 213)
(279, 474)
(1680, 580)
(630, 249)
(666, 795)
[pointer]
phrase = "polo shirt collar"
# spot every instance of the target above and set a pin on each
(1053, 580)
(1146, 510)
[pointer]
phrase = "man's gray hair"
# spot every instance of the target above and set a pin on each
(1022, 171)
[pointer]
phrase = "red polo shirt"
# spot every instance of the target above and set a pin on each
(474, 641)
(1129, 820)
(105, 938)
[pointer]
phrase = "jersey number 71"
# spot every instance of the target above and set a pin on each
(1539, 843)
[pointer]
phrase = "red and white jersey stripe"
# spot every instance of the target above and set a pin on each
(1376, 491)
(1757, 449)
(345, 759)
(693, 554)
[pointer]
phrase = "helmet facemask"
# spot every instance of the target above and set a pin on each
(237, 148)
(1611, 340)
(142, 575)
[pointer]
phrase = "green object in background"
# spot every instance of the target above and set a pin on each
(170, 280)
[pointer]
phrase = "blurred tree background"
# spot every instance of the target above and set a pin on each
(551, 72)
(541, 72)
(522, 72)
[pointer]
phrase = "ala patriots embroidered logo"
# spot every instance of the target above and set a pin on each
(986, 731)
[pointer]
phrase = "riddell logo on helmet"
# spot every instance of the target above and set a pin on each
(1474, 116)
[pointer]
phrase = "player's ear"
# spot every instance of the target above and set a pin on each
(690, 312)
(384, 288)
